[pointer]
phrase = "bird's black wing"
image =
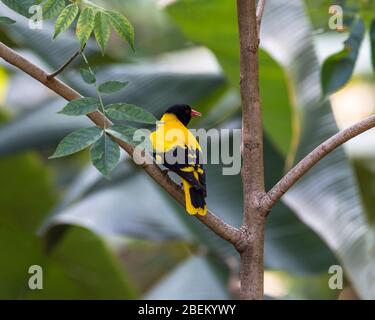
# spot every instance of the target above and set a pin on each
(184, 162)
(200, 169)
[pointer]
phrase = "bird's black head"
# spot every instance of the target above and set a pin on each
(183, 112)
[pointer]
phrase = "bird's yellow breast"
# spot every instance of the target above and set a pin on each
(171, 133)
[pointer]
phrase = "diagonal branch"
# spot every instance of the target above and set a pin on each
(213, 222)
(313, 158)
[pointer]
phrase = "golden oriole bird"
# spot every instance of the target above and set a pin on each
(178, 150)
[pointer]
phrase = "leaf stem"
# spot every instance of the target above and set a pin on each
(102, 109)
(65, 65)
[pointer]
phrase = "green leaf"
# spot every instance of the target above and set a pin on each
(81, 107)
(102, 30)
(19, 245)
(82, 266)
(105, 154)
(122, 26)
(6, 20)
(66, 18)
(52, 8)
(77, 141)
(27, 169)
(372, 38)
(20, 6)
(338, 68)
(123, 111)
(124, 133)
(85, 25)
(87, 76)
(112, 86)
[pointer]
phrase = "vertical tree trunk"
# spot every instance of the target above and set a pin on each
(252, 264)
(251, 249)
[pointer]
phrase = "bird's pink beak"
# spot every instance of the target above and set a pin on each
(195, 113)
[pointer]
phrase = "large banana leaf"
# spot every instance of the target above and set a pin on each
(148, 262)
(82, 266)
(327, 198)
(116, 210)
(192, 279)
(25, 132)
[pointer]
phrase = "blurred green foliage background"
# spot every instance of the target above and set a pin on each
(124, 238)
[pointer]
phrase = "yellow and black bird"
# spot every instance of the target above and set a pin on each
(178, 150)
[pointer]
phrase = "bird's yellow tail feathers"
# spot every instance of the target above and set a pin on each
(194, 200)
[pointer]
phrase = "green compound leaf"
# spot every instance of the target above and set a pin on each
(102, 30)
(112, 86)
(338, 68)
(105, 154)
(85, 25)
(52, 8)
(123, 111)
(66, 18)
(77, 141)
(87, 76)
(80, 107)
(124, 133)
(122, 26)
(6, 20)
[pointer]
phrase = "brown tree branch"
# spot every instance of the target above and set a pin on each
(270, 199)
(251, 249)
(213, 222)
